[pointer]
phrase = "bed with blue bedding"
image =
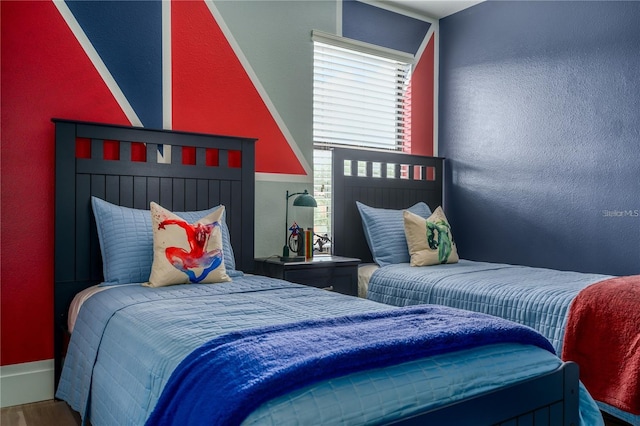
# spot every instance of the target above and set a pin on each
(536, 297)
(370, 222)
(132, 338)
(245, 348)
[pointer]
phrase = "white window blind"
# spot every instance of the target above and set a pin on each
(361, 98)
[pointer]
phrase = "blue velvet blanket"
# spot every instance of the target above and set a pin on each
(227, 378)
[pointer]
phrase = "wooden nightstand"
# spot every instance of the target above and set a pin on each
(334, 273)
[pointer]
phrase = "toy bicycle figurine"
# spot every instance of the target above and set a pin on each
(297, 239)
(321, 241)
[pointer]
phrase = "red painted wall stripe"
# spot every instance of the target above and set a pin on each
(45, 74)
(422, 99)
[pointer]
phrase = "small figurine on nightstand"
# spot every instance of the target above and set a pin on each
(321, 241)
(295, 239)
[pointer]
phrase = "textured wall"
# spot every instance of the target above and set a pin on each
(539, 119)
(228, 67)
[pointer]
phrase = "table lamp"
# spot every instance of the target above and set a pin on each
(303, 199)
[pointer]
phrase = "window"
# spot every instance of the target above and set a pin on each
(322, 191)
(361, 98)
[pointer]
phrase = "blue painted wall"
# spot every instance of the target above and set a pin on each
(540, 121)
(136, 67)
(371, 24)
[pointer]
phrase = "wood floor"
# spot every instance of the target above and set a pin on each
(46, 413)
(58, 413)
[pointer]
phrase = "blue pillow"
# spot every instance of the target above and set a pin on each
(126, 241)
(384, 231)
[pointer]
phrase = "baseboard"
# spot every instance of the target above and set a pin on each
(26, 383)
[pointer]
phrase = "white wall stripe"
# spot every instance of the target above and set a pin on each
(263, 93)
(339, 18)
(282, 177)
(97, 62)
(167, 89)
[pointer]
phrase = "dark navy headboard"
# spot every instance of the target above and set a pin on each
(207, 179)
(390, 180)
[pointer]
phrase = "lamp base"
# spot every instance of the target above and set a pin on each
(292, 259)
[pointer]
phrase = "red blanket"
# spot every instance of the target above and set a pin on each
(603, 337)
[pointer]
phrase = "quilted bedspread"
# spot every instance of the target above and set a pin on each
(536, 297)
(609, 361)
(128, 340)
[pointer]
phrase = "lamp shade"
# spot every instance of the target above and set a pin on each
(305, 200)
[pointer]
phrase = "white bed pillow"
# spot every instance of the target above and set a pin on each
(430, 240)
(184, 252)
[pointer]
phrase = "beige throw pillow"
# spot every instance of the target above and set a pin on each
(186, 253)
(430, 240)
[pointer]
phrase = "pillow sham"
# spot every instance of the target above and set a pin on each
(430, 240)
(384, 232)
(185, 252)
(126, 241)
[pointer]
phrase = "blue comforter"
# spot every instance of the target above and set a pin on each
(128, 340)
(227, 378)
(536, 297)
